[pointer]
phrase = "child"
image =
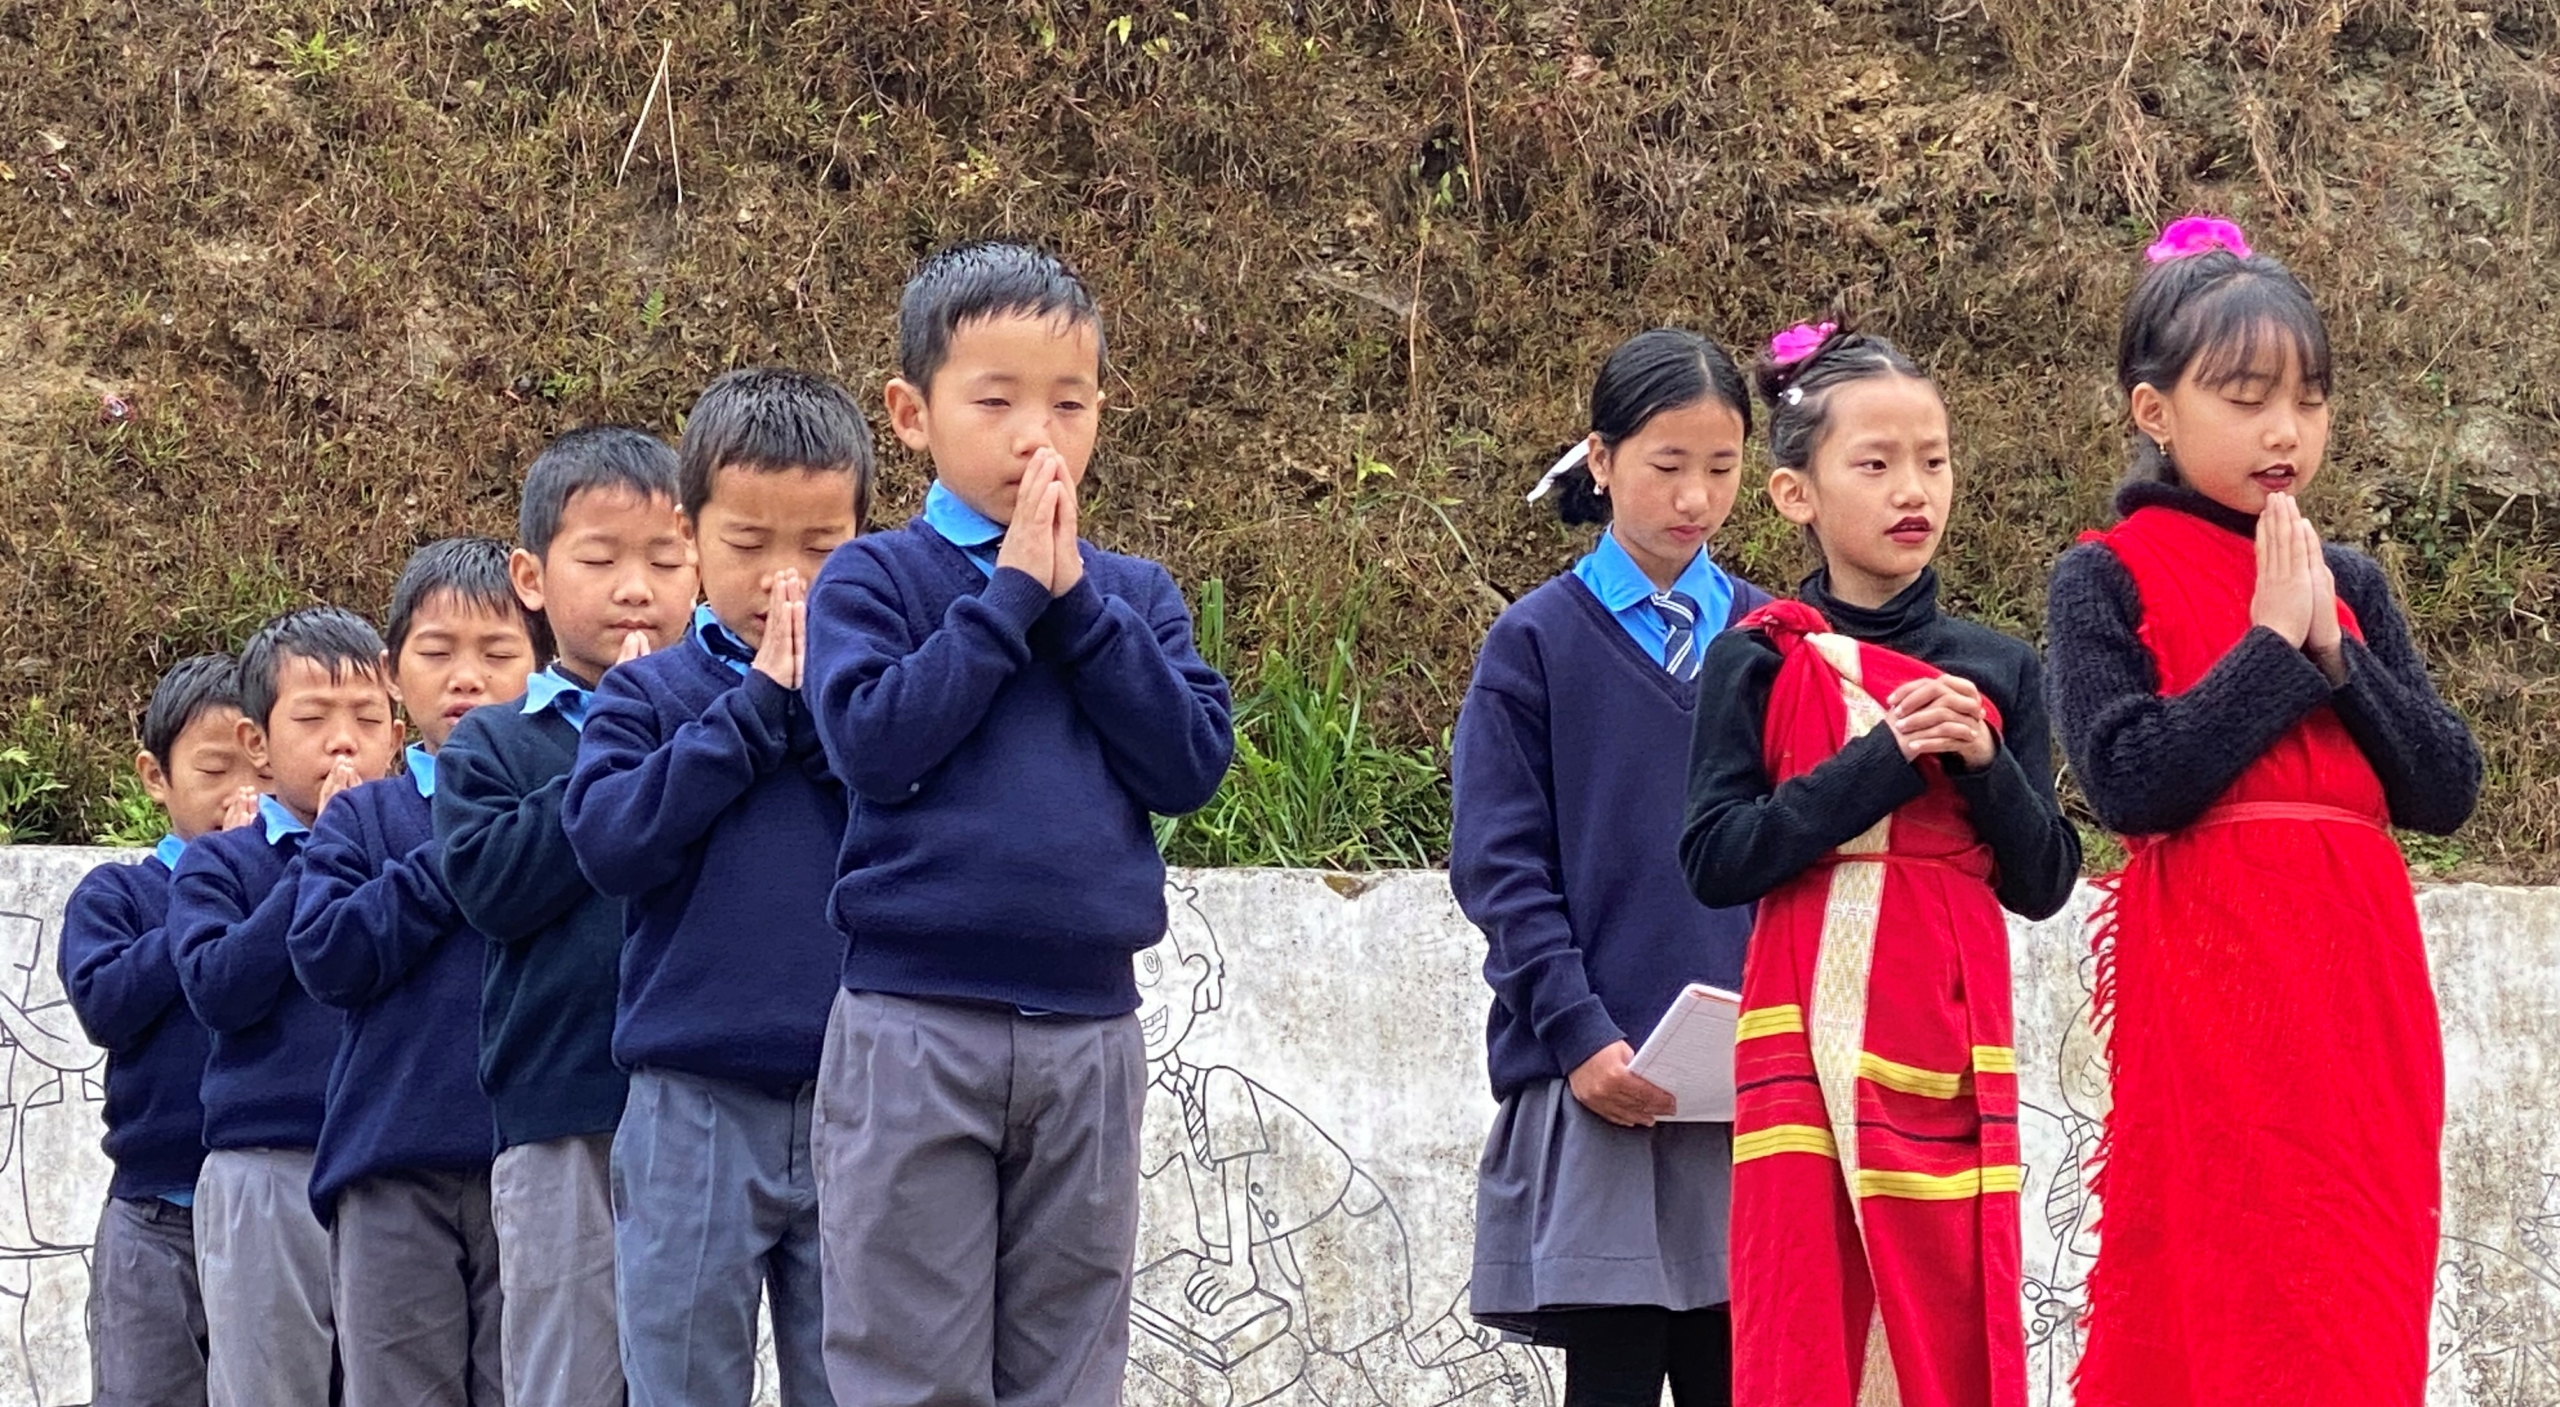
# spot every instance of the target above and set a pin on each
(401, 1178)
(2245, 705)
(602, 556)
(316, 717)
(1879, 777)
(146, 1316)
(1006, 705)
(1598, 1229)
(701, 798)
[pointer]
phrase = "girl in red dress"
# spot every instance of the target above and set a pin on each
(2242, 702)
(1879, 776)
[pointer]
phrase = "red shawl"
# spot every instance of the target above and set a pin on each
(2269, 1180)
(1875, 1194)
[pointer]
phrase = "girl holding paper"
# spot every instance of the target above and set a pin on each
(1879, 777)
(1599, 1229)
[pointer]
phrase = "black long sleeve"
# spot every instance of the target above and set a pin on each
(1744, 837)
(2419, 747)
(2035, 853)
(2151, 764)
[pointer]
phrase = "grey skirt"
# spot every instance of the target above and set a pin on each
(1574, 1212)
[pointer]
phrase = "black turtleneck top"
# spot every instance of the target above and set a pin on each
(1745, 837)
(2150, 765)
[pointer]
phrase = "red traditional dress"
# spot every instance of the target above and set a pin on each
(2268, 1187)
(1875, 1191)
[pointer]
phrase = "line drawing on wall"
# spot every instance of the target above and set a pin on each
(54, 1174)
(1271, 1266)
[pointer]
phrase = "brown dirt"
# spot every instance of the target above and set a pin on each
(1360, 261)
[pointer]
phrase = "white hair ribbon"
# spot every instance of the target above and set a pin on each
(1572, 458)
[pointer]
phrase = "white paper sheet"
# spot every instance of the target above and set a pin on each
(1690, 1054)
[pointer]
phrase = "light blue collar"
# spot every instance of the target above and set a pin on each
(422, 769)
(280, 822)
(1614, 577)
(168, 850)
(551, 689)
(962, 526)
(720, 642)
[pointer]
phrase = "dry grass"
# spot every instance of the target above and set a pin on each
(352, 263)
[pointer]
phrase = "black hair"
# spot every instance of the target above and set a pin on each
(2213, 313)
(771, 419)
(472, 571)
(987, 279)
(193, 687)
(1661, 370)
(590, 457)
(1798, 393)
(332, 637)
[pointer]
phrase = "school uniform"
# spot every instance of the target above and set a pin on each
(146, 1311)
(546, 1037)
(2264, 982)
(1568, 793)
(980, 1094)
(262, 1256)
(1876, 1164)
(401, 1175)
(702, 799)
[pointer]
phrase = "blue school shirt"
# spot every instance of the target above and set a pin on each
(964, 527)
(422, 770)
(168, 851)
(279, 822)
(551, 689)
(720, 642)
(1622, 586)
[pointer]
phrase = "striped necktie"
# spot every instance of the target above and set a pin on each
(1680, 648)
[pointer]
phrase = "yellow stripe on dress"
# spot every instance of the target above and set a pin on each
(1909, 1079)
(1932, 1187)
(1769, 1021)
(1995, 1059)
(1784, 1138)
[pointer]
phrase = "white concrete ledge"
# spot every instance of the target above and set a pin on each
(1341, 1018)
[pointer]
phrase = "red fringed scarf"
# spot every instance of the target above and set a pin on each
(2269, 1181)
(1875, 1189)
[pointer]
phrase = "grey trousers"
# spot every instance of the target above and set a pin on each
(263, 1260)
(553, 1205)
(414, 1271)
(715, 1205)
(146, 1315)
(978, 1189)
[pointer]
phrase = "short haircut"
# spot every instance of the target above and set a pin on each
(970, 282)
(591, 457)
(470, 570)
(193, 687)
(2214, 312)
(336, 639)
(1798, 392)
(772, 419)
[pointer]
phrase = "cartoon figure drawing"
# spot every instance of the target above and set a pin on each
(52, 1174)
(2497, 1320)
(1271, 1267)
(2062, 1214)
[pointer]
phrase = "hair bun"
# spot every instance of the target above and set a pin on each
(2194, 235)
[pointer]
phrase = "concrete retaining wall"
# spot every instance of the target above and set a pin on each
(1336, 1026)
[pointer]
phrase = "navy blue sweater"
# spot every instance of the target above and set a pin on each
(1003, 751)
(703, 800)
(1568, 789)
(546, 1007)
(266, 1080)
(376, 935)
(123, 984)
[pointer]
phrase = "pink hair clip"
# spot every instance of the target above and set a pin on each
(2197, 234)
(1800, 341)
